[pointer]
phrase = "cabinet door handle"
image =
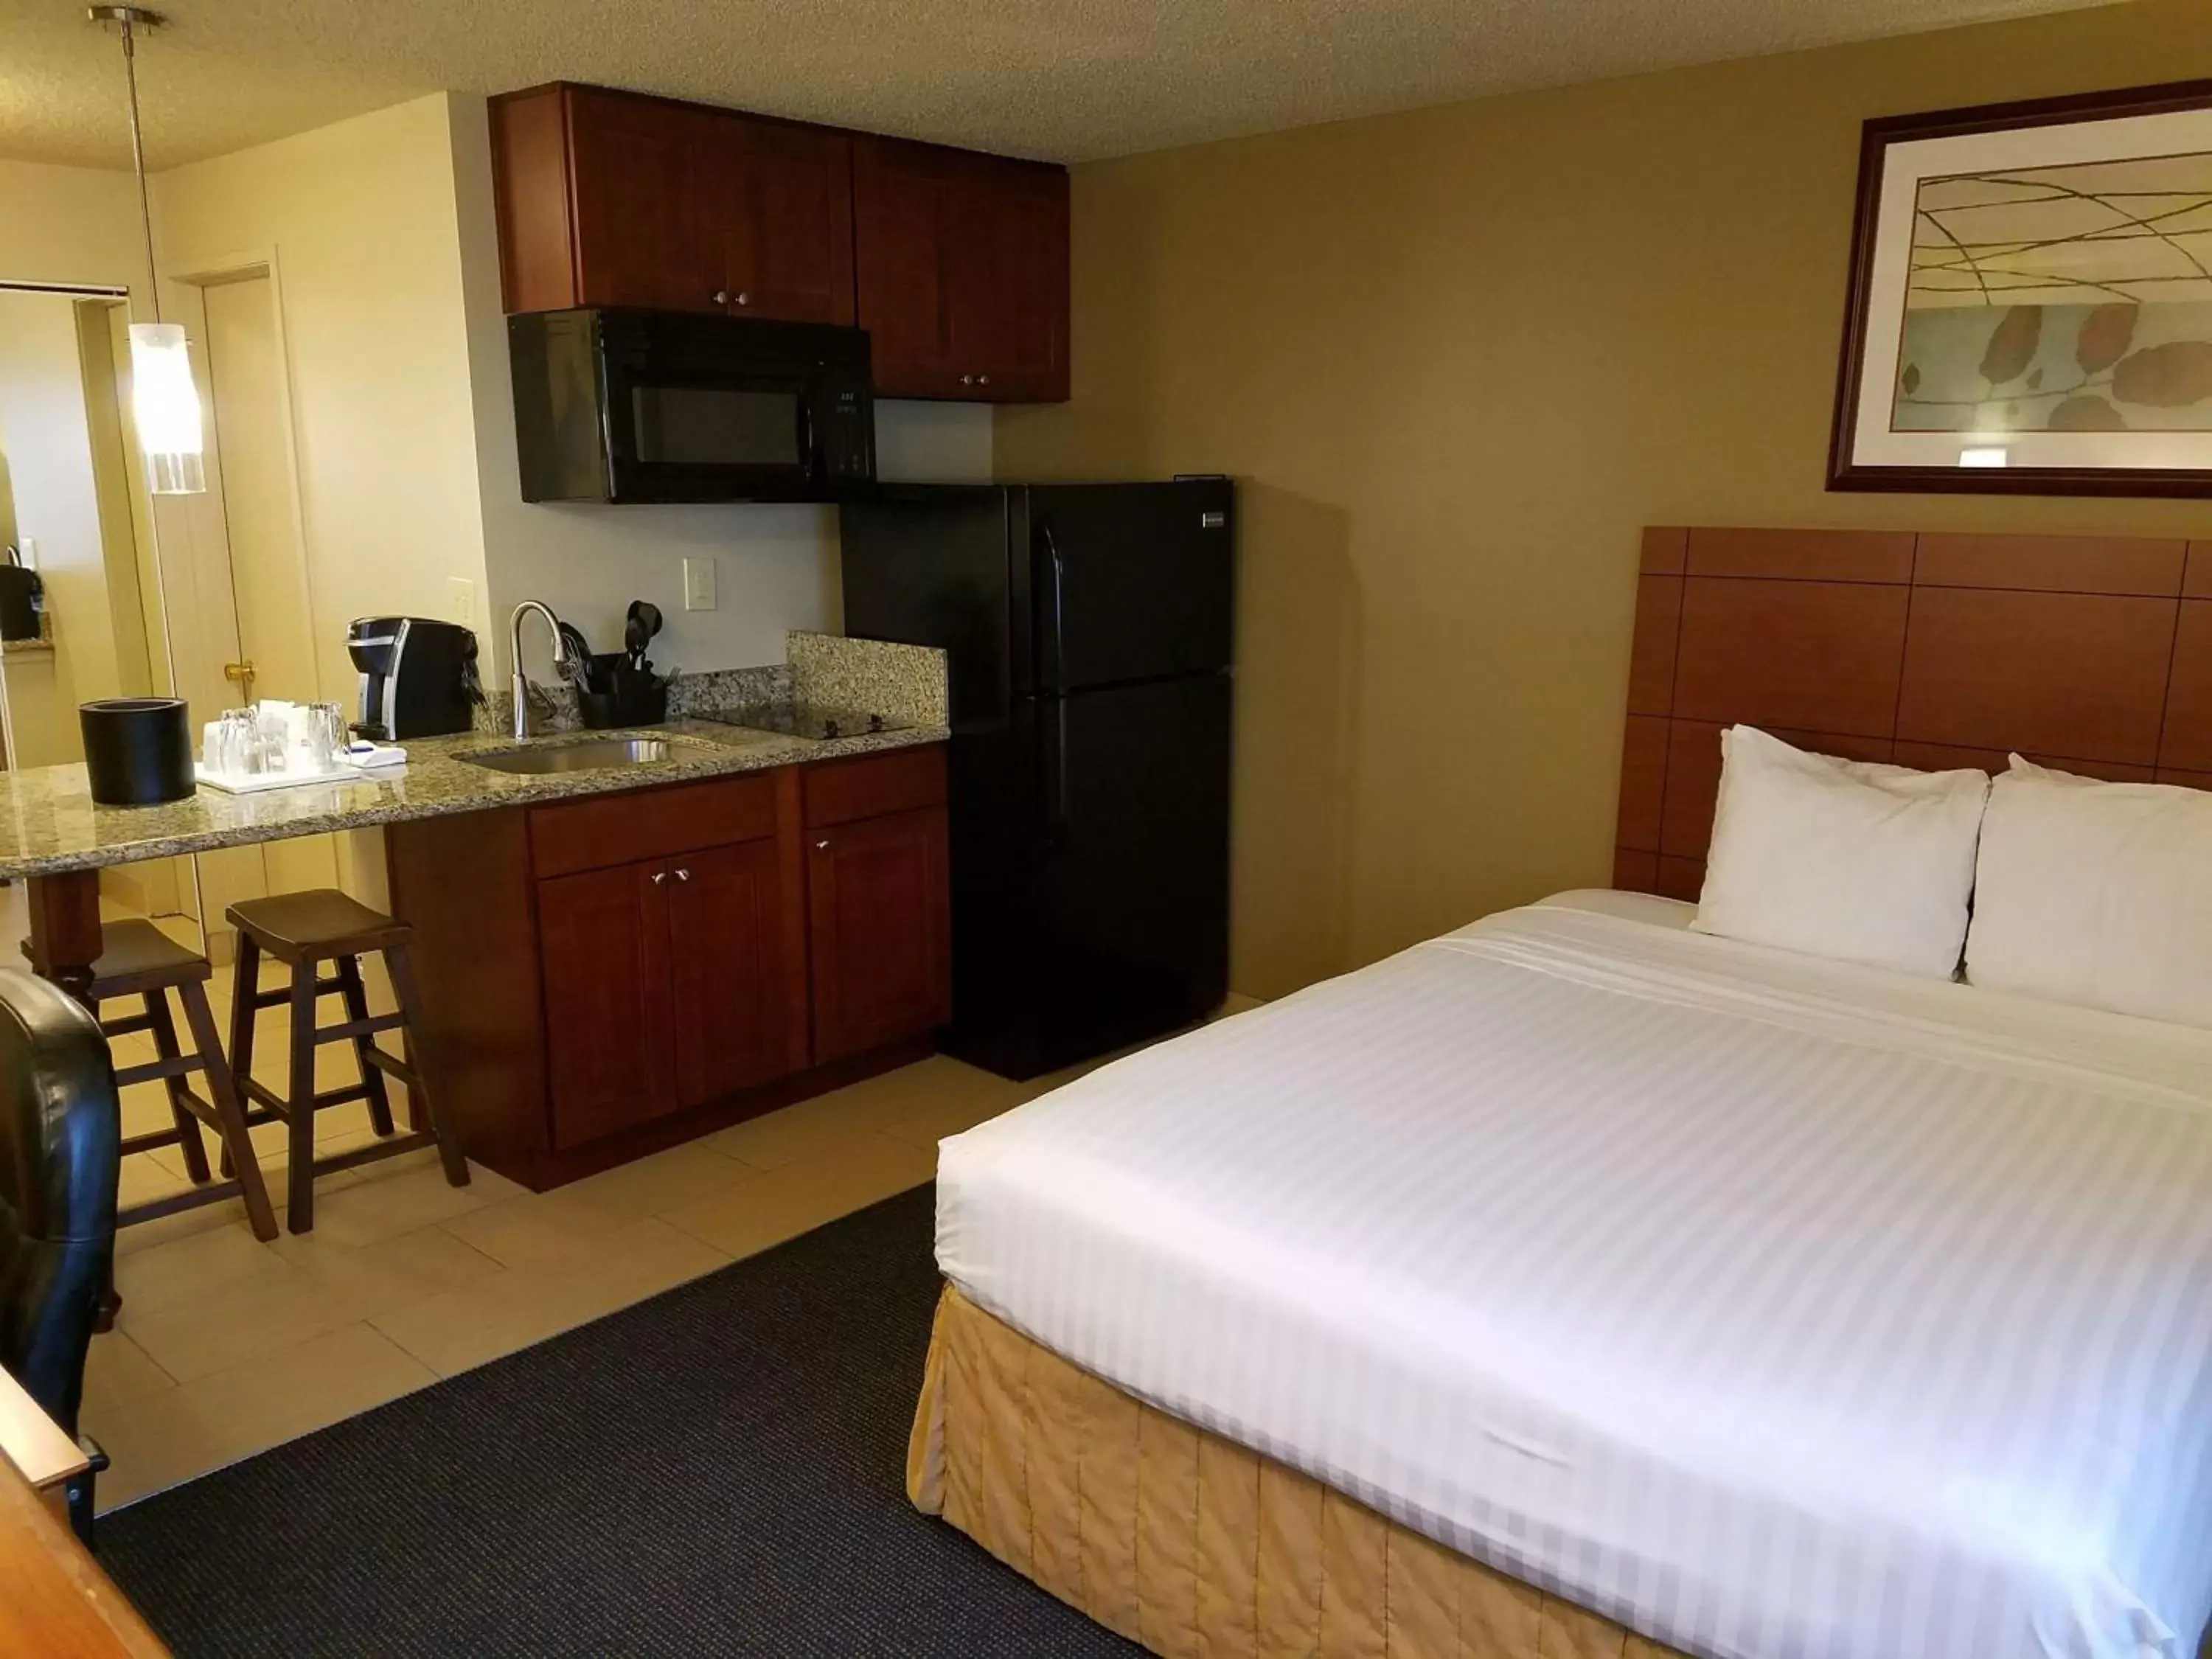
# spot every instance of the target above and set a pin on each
(659, 876)
(820, 846)
(982, 379)
(682, 875)
(744, 299)
(967, 379)
(721, 296)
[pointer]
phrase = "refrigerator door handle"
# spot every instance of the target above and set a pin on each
(1059, 608)
(1054, 835)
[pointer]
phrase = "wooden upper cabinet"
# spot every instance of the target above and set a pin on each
(608, 198)
(956, 263)
(783, 215)
(962, 272)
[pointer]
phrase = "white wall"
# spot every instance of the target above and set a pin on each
(776, 567)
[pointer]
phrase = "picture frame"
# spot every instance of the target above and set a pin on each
(2030, 306)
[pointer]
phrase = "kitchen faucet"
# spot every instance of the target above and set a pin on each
(515, 655)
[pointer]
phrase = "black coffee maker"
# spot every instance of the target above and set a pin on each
(419, 677)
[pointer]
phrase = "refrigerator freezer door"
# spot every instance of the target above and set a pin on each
(1130, 581)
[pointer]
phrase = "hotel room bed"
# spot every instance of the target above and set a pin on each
(1755, 1303)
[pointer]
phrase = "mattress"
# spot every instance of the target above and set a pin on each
(1761, 1305)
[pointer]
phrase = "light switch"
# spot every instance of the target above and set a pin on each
(461, 601)
(698, 584)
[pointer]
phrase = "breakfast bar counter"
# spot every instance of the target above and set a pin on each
(53, 834)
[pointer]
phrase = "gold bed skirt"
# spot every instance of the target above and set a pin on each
(1195, 1547)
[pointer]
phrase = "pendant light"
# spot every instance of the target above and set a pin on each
(164, 405)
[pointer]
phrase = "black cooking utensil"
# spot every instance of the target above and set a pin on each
(638, 626)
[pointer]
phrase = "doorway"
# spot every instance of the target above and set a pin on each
(252, 637)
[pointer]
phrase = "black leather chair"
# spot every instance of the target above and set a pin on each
(60, 1135)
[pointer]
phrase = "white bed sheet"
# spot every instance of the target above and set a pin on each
(1767, 1305)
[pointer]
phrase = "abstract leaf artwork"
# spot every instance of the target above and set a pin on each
(2030, 307)
(2060, 299)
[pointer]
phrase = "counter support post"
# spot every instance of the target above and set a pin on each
(65, 928)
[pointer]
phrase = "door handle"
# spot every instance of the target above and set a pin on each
(1055, 824)
(1059, 605)
(682, 875)
(240, 674)
(820, 846)
(658, 877)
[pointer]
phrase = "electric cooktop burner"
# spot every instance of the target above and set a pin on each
(804, 719)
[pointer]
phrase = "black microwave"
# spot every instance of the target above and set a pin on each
(665, 406)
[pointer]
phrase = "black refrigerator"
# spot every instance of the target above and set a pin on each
(1089, 630)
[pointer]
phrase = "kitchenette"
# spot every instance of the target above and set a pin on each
(622, 942)
(645, 900)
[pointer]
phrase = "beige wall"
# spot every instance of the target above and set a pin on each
(69, 225)
(356, 223)
(1456, 359)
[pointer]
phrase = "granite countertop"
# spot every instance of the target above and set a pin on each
(49, 823)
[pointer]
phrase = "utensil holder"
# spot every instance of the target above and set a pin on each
(137, 751)
(642, 702)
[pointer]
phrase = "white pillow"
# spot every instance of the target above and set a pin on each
(2096, 893)
(1844, 859)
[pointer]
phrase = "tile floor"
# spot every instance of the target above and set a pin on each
(226, 1346)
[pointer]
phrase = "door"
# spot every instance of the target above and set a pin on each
(730, 985)
(1131, 882)
(643, 194)
(275, 629)
(878, 931)
(783, 215)
(603, 950)
(902, 217)
(1131, 581)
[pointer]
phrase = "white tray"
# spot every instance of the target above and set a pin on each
(254, 783)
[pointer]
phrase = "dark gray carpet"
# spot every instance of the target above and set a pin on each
(718, 1471)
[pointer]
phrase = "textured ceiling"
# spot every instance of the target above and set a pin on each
(1067, 79)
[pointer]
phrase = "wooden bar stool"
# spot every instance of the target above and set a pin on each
(139, 959)
(304, 931)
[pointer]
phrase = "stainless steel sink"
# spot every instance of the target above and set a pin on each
(594, 756)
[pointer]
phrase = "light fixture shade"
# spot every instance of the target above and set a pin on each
(166, 406)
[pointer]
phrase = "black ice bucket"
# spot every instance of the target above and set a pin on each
(137, 751)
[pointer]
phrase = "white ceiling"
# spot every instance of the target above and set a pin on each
(1067, 79)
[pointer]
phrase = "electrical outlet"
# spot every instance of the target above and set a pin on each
(698, 584)
(461, 601)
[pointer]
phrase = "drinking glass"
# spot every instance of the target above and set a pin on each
(326, 735)
(240, 743)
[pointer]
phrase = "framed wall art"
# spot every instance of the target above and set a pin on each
(2031, 299)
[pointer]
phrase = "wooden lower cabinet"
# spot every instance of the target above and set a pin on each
(877, 927)
(603, 939)
(729, 991)
(607, 977)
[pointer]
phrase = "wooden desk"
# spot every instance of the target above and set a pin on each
(54, 1600)
(43, 1457)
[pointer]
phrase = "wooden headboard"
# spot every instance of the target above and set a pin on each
(2093, 654)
